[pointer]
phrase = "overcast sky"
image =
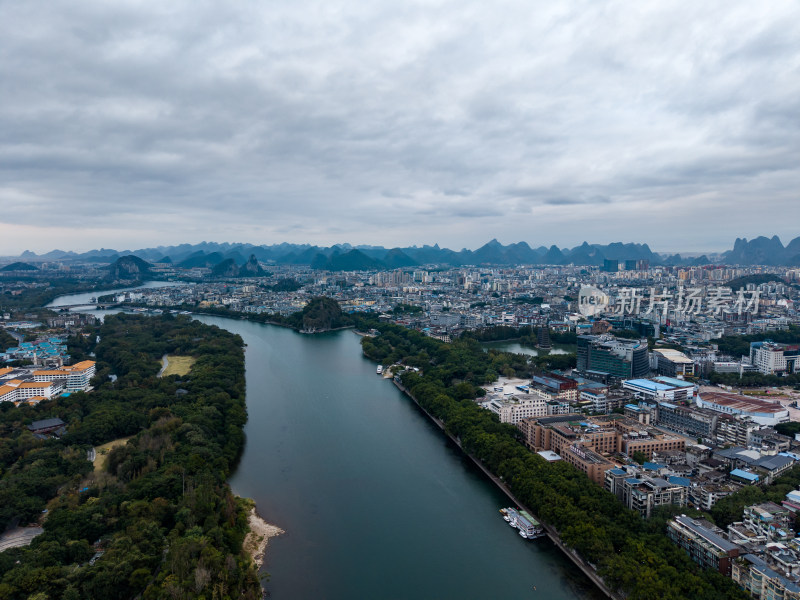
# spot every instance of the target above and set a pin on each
(132, 124)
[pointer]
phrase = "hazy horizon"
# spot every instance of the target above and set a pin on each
(534, 245)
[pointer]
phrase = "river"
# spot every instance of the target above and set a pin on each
(86, 297)
(517, 348)
(376, 502)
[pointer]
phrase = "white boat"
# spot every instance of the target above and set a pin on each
(380, 369)
(529, 526)
(510, 515)
(522, 534)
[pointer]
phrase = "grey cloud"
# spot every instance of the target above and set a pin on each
(355, 119)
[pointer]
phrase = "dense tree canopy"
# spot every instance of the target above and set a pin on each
(739, 345)
(161, 512)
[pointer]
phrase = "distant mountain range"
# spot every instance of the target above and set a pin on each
(344, 257)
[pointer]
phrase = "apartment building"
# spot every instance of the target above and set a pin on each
(704, 542)
(555, 387)
(768, 358)
(588, 461)
(605, 435)
(756, 577)
(646, 494)
(686, 420)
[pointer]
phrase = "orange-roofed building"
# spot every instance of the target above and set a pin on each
(75, 377)
(30, 389)
(21, 391)
(8, 393)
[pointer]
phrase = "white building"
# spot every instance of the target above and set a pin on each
(672, 363)
(768, 358)
(660, 389)
(74, 378)
(515, 408)
(17, 390)
(598, 399)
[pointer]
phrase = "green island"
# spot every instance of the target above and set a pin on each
(158, 519)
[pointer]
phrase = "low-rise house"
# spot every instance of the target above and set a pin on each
(47, 427)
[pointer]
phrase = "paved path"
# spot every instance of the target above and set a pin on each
(165, 364)
(20, 536)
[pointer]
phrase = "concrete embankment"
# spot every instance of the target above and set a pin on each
(551, 531)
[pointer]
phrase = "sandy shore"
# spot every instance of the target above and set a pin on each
(255, 543)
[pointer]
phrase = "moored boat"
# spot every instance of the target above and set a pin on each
(529, 528)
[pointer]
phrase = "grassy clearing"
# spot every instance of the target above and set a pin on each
(102, 452)
(178, 365)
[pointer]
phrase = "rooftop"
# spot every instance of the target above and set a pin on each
(706, 533)
(647, 384)
(736, 402)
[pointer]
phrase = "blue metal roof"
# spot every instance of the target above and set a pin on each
(682, 481)
(647, 384)
(674, 382)
(744, 475)
(651, 466)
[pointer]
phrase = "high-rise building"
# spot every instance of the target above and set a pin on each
(610, 266)
(605, 355)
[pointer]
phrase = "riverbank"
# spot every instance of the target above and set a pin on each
(585, 567)
(229, 314)
(313, 331)
(257, 539)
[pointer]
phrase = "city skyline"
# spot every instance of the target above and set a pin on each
(136, 125)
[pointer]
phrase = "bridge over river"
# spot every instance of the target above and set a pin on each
(98, 305)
